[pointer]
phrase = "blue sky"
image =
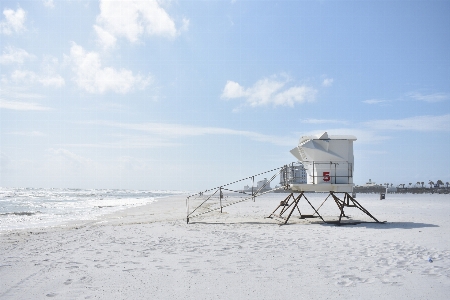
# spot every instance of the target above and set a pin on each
(188, 95)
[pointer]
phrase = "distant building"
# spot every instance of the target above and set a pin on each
(370, 187)
(259, 186)
(293, 174)
(370, 183)
(263, 182)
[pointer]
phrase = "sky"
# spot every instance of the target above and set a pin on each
(189, 95)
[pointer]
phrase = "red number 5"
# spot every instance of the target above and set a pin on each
(326, 176)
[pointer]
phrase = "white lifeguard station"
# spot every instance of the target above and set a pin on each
(328, 160)
(329, 164)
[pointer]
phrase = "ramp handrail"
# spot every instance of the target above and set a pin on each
(219, 189)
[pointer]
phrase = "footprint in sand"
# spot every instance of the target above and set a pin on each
(433, 271)
(68, 281)
(51, 295)
(350, 280)
(72, 267)
(195, 271)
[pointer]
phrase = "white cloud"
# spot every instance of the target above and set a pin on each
(168, 131)
(19, 105)
(373, 101)
(14, 21)
(436, 97)
(92, 77)
(123, 141)
(47, 80)
(13, 55)
(24, 76)
(185, 25)
(18, 93)
(49, 3)
(327, 82)
(33, 133)
(269, 91)
(15, 97)
(430, 98)
(295, 94)
(364, 136)
(171, 134)
(49, 77)
(233, 90)
(69, 158)
(132, 19)
(419, 123)
(52, 81)
(323, 121)
(180, 130)
(106, 39)
(379, 130)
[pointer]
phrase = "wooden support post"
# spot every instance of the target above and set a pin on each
(286, 205)
(340, 204)
(282, 203)
(356, 203)
(323, 202)
(314, 208)
(298, 208)
(296, 200)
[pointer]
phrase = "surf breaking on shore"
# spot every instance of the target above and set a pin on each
(26, 208)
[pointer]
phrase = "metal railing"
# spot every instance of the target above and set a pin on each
(218, 193)
(335, 176)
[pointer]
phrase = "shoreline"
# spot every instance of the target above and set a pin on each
(91, 220)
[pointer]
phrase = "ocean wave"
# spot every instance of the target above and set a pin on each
(20, 213)
(39, 207)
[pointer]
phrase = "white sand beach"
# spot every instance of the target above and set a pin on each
(151, 253)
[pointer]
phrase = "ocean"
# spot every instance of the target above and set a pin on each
(23, 208)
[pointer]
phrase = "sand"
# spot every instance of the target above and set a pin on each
(150, 252)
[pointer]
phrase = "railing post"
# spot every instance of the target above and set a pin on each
(187, 210)
(220, 199)
(253, 183)
(314, 180)
(335, 173)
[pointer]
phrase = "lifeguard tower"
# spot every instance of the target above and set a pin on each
(329, 164)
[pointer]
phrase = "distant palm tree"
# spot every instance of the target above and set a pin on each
(431, 183)
(410, 185)
(422, 183)
(446, 184)
(439, 183)
(417, 183)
